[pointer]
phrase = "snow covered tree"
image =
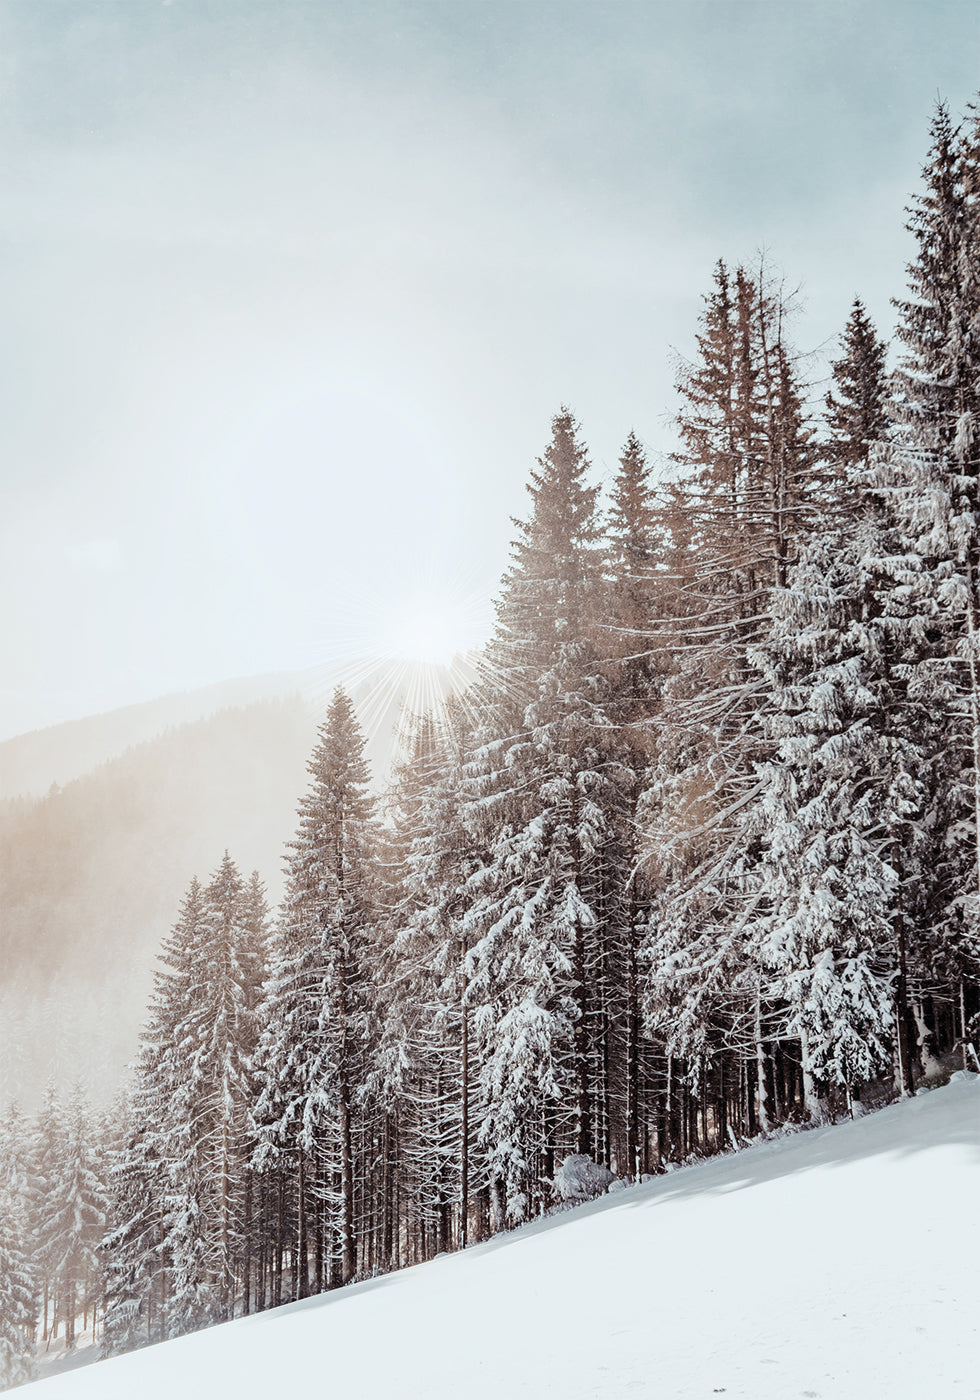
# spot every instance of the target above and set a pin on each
(932, 474)
(16, 1300)
(858, 405)
(73, 1216)
(750, 465)
(47, 1152)
(746, 445)
(426, 1060)
(844, 779)
(312, 1056)
(540, 785)
(845, 776)
(135, 1288)
(644, 571)
(255, 960)
(146, 1187)
(18, 1264)
(634, 633)
(213, 1041)
(177, 1219)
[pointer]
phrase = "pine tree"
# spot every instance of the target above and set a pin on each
(254, 960)
(533, 920)
(858, 404)
(143, 1191)
(644, 577)
(751, 479)
(637, 550)
(73, 1220)
(212, 1038)
(132, 1245)
(933, 476)
(178, 1213)
(18, 1263)
(426, 1057)
(845, 777)
(313, 1053)
(47, 1152)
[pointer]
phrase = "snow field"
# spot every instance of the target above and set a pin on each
(838, 1264)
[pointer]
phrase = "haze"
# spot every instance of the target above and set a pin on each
(291, 291)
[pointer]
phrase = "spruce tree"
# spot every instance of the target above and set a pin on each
(313, 1056)
(750, 467)
(73, 1218)
(932, 473)
(178, 1214)
(19, 1282)
(846, 778)
(533, 920)
(643, 582)
(858, 404)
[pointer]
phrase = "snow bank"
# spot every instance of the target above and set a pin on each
(837, 1264)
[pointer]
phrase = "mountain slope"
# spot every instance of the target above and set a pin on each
(91, 873)
(91, 876)
(30, 763)
(836, 1264)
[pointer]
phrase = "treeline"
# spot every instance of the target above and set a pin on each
(696, 855)
(55, 1186)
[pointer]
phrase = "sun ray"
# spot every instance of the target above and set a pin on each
(409, 643)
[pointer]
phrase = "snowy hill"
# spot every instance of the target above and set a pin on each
(837, 1264)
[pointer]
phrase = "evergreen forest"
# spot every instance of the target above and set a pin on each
(696, 857)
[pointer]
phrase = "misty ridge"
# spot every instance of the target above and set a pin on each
(91, 872)
(31, 763)
(102, 823)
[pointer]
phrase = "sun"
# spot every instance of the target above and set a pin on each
(408, 645)
(426, 631)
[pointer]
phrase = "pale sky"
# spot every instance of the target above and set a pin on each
(292, 290)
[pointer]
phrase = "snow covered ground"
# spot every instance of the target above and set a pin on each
(52, 1358)
(838, 1264)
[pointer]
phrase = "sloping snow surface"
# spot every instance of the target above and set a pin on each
(836, 1263)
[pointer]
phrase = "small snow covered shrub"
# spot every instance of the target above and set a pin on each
(580, 1179)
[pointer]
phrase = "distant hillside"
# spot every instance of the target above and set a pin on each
(92, 871)
(30, 763)
(91, 875)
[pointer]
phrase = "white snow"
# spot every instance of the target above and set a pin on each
(838, 1264)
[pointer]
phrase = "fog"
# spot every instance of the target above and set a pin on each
(119, 812)
(291, 292)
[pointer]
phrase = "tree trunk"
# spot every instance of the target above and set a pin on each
(70, 1315)
(965, 1051)
(347, 1242)
(302, 1248)
(247, 1248)
(464, 1128)
(760, 1062)
(926, 1040)
(906, 1083)
(583, 1107)
(632, 1056)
